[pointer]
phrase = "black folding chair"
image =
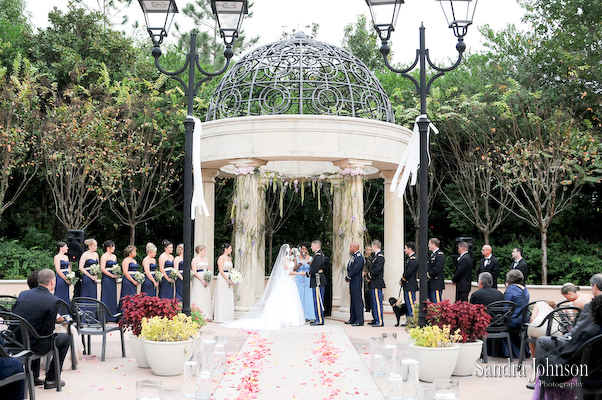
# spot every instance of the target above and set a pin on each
(7, 302)
(499, 328)
(66, 312)
(91, 319)
(17, 335)
(25, 358)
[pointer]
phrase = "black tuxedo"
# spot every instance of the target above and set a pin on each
(463, 277)
(493, 267)
(40, 308)
(522, 267)
(355, 278)
(486, 296)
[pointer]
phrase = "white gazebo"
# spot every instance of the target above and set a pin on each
(305, 110)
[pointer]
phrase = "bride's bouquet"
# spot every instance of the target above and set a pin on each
(207, 276)
(72, 278)
(158, 276)
(95, 270)
(235, 276)
(294, 253)
(139, 277)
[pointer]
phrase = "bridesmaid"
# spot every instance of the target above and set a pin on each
(150, 285)
(62, 267)
(129, 266)
(165, 266)
(108, 284)
(224, 292)
(200, 294)
(178, 263)
(89, 258)
(302, 265)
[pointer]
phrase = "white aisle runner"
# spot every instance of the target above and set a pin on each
(298, 363)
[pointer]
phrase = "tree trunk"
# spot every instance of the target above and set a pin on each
(416, 236)
(486, 236)
(132, 233)
(544, 256)
(270, 240)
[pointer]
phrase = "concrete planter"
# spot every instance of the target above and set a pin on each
(137, 346)
(469, 354)
(167, 358)
(436, 362)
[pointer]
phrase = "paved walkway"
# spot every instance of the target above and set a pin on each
(329, 362)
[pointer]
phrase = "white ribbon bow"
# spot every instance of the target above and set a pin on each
(410, 161)
(198, 199)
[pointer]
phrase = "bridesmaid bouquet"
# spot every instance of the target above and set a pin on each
(207, 276)
(117, 270)
(173, 275)
(158, 276)
(72, 279)
(95, 270)
(235, 276)
(139, 277)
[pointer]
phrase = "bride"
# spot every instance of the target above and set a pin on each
(279, 304)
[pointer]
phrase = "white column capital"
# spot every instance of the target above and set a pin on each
(247, 162)
(209, 174)
(387, 176)
(352, 163)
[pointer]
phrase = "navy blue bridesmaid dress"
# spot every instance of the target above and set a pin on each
(180, 283)
(89, 287)
(108, 292)
(127, 287)
(147, 286)
(62, 288)
(165, 288)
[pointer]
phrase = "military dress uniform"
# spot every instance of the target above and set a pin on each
(317, 283)
(354, 277)
(435, 276)
(367, 298)
(410, 283)
(376, 284)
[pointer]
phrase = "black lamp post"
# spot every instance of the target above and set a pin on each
(159, 15)
(384, 15)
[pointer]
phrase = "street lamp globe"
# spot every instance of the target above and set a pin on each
(158, 15)
(384, 16)
(229, 15)
(459, 15)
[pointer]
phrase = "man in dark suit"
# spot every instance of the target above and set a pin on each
(369, 258)
(14, 390)
(40, 308)
(355, 278)
(489, 263)
(434, 274)
(463, 276)
(377, 283)
(519, 262)
(408, 279)
(317, 281)
(486, 293)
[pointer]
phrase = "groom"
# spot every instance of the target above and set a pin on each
(317, 281)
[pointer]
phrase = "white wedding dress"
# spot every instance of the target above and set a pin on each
(280, 304)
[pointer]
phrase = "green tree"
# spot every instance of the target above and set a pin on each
(15, 31)
(362, 42)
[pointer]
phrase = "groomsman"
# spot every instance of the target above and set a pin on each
(377, 283)
(408, 279)
(519, 262)
(489, 263)
(355, 278)
(369, 258)
(463, 275)
(317, 281)
(435, 276)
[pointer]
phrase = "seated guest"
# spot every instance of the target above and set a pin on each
(540, 311)
(572, 294)
(15, 390)
(40, 307)
(486, 293)
(519, 295)
(565, 356)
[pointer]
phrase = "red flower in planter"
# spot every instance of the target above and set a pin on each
(141, 305)
(470, 319)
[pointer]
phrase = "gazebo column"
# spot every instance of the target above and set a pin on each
(393, 242)
(348, 221)
(204, 227)
(249, 236)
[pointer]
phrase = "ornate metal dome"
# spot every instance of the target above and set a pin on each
(300, 76)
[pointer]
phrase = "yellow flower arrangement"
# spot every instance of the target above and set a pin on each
(433, 336)
(164, 329)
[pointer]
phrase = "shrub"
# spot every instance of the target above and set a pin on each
(470, 320)
(17, 261)
(140, 306)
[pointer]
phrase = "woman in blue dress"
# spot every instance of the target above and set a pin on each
(108, 284)
(517, 292)
(129, 285)
(166, 290)
(149, 264)
(302, 265)
(89, 258)
(62, 267)
(179, 263)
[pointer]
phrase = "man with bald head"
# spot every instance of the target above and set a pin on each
(489, 264)
(355, 277)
